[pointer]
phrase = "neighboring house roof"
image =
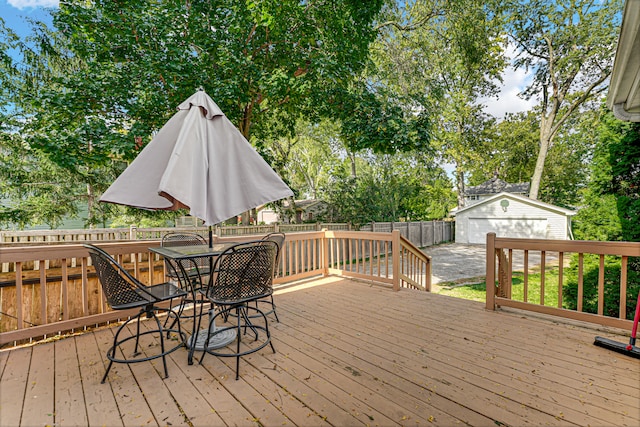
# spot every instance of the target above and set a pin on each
(523, 199)
(624, 90)
(496, 185)
(305, 204)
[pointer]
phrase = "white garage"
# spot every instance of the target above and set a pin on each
(511, 215)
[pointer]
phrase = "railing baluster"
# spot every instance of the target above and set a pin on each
(19, 299)
(525, 297)
(43, 295)
(65, 290)
(601, 286)
(623, 288)
(542, 275)
(580, 281)
(560, 277)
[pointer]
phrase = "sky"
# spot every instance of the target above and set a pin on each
(15, 13)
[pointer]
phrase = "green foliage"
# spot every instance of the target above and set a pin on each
(391, 188)
(478, 291)
(251, 57)
(441, 58)
(624, 158)
(598, 218)
(566, 45)
(371, 121)
(150, 220)
(611, 286)
(92, 91)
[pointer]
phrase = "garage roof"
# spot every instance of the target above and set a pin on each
(495, 185)
(523, 199)
(624, 90)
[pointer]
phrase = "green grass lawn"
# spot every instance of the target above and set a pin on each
(477, 291)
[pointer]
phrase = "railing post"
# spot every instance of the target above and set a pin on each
(491, 271)
(395, 258)
(133, 232)
(325, 253)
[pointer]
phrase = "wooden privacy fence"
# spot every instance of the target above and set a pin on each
(53, 289)
(500, 277)
(420, 233)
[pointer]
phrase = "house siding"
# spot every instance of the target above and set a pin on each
(524, 220)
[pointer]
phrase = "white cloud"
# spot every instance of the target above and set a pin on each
(513, 82)
(508, 101)
(26, 4)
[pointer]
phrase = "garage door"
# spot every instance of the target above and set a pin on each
(525, 228)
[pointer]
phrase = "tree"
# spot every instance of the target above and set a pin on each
(598, 218)
(624, 158)
(444, 57)
(512, 153)
(404, 186)
(568, 44)
(130, 64)
(40, 186)
(612, 207)
(313, 154)
(252, 56)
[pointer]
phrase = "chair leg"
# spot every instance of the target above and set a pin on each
(266, 328)
(247, 321)
(164, 356)
(104, 377)
(111, 353)
(243, 320)
(238, 309)
(135, 351)
(275, 313)
(117, 342)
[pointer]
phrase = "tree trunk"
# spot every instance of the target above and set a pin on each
(90, 203)
(545, 143)
(460, 187)
(352, 158)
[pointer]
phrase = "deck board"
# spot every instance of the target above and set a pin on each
(68, 384)
(347, 353)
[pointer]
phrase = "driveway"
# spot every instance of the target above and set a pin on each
(455, 262)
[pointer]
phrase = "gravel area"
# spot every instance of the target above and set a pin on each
(454, 262)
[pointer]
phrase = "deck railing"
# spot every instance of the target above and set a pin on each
(8, 237)
(51, 289)
(500, 276)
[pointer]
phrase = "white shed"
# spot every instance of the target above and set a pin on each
(511, 215)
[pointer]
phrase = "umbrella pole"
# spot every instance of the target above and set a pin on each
(210, 236)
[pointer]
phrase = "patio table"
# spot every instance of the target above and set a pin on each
(182, 255)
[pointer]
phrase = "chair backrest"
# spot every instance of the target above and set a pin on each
(182, 239)
(243, 272)
(278, 238)
(119, 287)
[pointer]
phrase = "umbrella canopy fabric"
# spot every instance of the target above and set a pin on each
(200, 161)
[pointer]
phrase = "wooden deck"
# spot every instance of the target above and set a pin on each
(348, 354)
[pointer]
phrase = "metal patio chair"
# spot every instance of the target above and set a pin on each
(188, 274)
(242, 274)
(124, 292)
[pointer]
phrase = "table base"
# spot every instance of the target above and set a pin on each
(218, 340)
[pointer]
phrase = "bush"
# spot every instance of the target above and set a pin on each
(612, 266)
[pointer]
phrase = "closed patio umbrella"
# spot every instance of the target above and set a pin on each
(199, 160)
